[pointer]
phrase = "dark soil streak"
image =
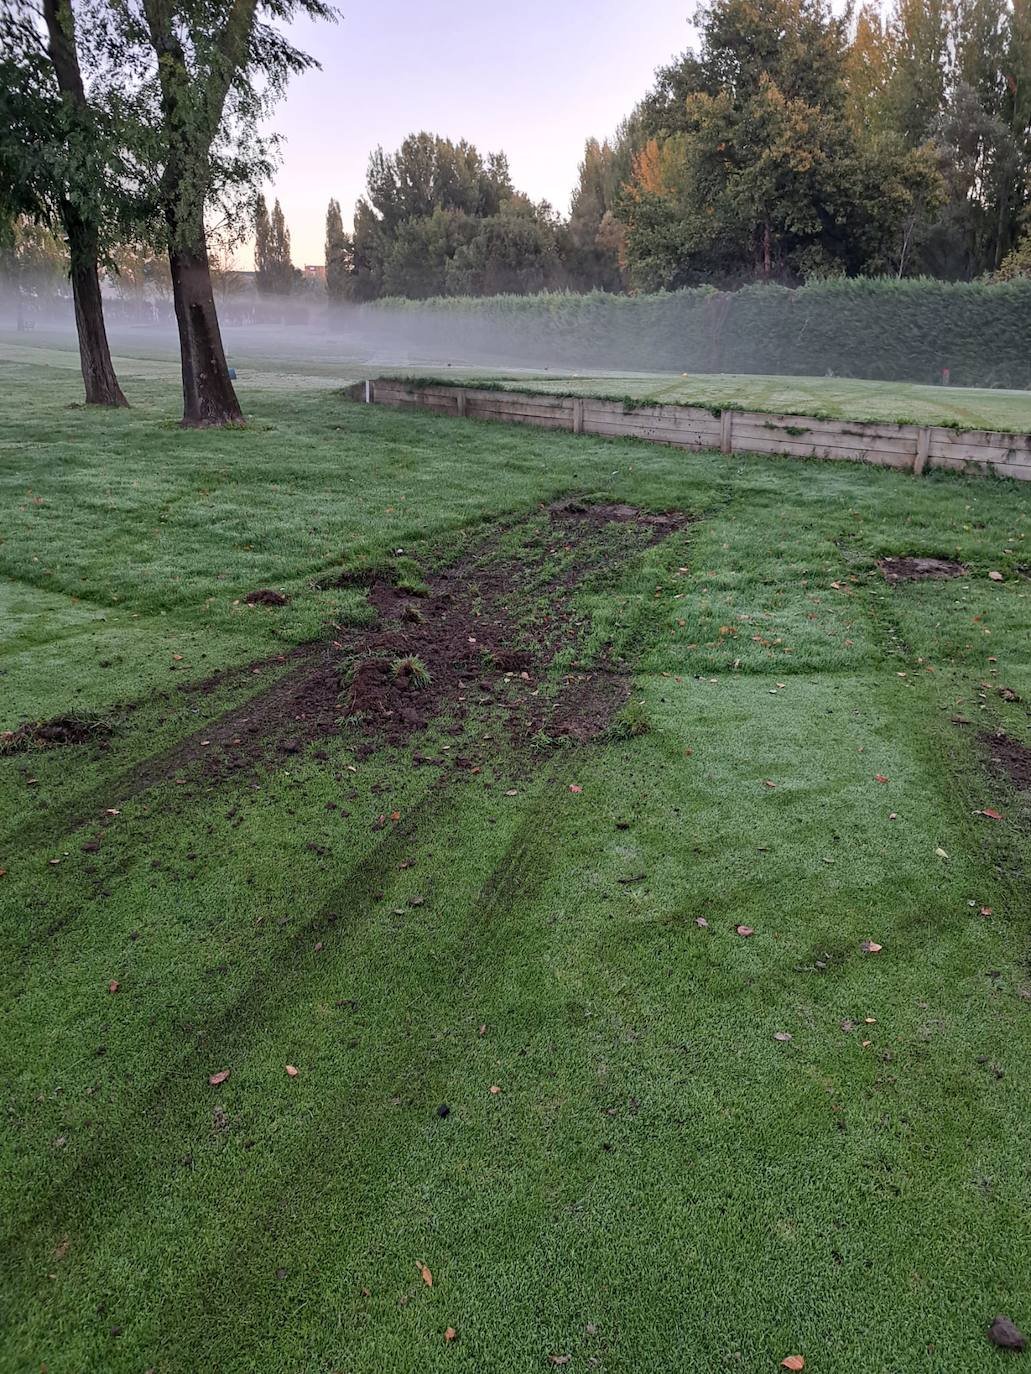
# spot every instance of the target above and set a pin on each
(1009, 758)
(907, 569)
(486, 633)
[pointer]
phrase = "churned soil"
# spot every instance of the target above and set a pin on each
(908, 569)
(482, 636)
(1010, 758)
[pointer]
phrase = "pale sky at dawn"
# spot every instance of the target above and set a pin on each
(533, 79)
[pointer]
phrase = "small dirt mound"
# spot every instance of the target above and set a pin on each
(47, 734)
(265, 596)
(911, 569)
(1010, 758)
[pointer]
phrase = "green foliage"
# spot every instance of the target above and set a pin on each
(274, 272)
(866, 327)
(339, 255)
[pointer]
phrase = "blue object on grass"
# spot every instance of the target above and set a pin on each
(232, 374)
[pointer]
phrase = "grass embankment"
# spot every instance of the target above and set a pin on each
(831, 398)
(658, 1183)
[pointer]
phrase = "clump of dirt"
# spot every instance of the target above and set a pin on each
(1010, 758)
(47, 734)
(265, 596)
(907, 569)
(482, 635)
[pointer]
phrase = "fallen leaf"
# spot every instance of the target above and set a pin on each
(941, 853)
(494, 1090)
(450, 1334)
(482, 1030)
(575, 787)
(996, 576)
(512, 792)
(114, 985)
(879, 777)
(768, 783)
(991, 814)
(559, 1359)
(986, 911)
(61, 1249)
(744, 930)
(219, 1078)
(871, 947)
(701, 921)
(782, 1036)
(427, 1277)
(793, 1362)
(291, 1071)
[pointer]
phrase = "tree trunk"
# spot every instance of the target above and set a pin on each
(98, 373)
(208, 395)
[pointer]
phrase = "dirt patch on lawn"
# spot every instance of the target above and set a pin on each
(48, 734)
(484, 635)
(1010, 758)
(265, 596)
(911, 569)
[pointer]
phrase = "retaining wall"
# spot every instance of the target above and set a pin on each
(915, 448)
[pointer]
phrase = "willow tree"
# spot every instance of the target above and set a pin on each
(203, 75)
(60, 165)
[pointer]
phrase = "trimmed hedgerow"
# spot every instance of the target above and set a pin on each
(879, 328)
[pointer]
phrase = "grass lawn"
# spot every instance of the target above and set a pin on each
(658, 1183)
(834, 398)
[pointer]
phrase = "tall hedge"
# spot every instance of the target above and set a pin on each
(865, 327)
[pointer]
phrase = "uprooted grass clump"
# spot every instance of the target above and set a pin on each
(410, 671)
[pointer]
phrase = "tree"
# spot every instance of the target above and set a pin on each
(339, 255)
(422, 204)
(274, 272)
(754, 170)
(57, 165)
(202, 75)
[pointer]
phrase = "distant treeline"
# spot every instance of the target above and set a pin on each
(793, 145)
(879, 328)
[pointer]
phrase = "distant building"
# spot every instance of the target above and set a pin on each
(316, 270)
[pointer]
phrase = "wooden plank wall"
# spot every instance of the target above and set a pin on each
(914, 448)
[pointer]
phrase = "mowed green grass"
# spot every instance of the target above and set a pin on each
(833, 398)
(658, 1184)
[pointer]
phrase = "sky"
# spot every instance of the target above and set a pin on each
(533, 79)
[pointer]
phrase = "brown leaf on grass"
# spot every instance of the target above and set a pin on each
(782, 1036)
(793, 1362)
(114, 985)
(559, 1359)
(494, 1090)
(217, 1079)
(996, 576)
(291, 1070)
(575, 787)
(879, 777)
(424, 1273)
(61, 1248)
(768, 783)
(701, 921)
(991, 814)
(450, 1334)
(744, 930)
(871, 947)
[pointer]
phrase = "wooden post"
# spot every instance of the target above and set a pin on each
(726, 431)
(368, 392)
(461, 400)
(923, 443)
(578, 415)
